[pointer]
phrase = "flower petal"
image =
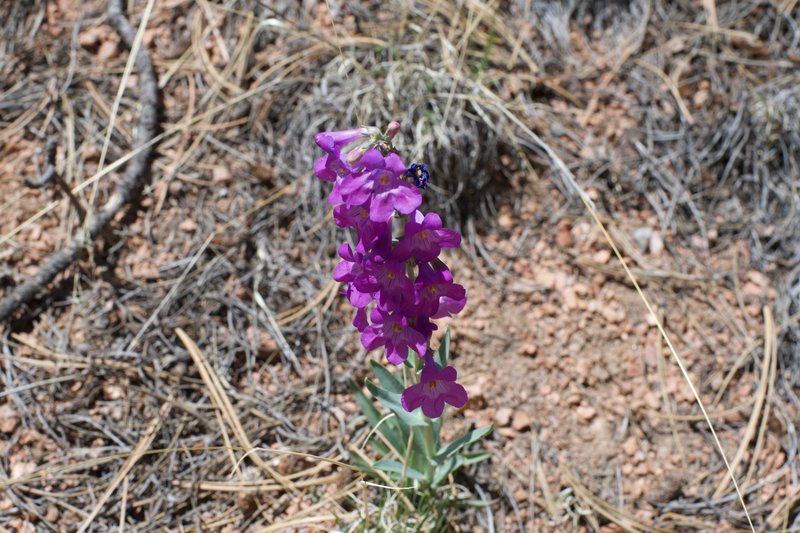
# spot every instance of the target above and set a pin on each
(456, 395)
(412, 397)
(433, 407)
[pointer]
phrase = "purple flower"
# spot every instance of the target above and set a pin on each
(425, 237)
(422, 324)
(388, 281)
(333, 141)
(356, 187)
(370, 233)
(371, 182)
(432, 285)
(331, 166)
(391, 331)
(449, 306)
(360, 321)
(383, 186)
(348, 271)
(435, 388)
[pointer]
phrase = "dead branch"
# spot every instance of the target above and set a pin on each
(134, 173)
(51, 175)
(49, 169)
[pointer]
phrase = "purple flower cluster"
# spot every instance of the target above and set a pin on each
(396, 285)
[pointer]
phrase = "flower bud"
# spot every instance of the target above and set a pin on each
(355, 155)
(392, 129)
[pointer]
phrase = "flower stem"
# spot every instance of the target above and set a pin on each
(430, 450)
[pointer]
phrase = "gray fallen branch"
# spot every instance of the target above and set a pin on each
(50, 175)
(49, 169)
(134, 173)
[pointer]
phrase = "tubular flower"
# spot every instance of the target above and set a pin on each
(331, 165)
(396, 285)
(435, 388)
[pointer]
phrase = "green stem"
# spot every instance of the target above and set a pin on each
(430, 450)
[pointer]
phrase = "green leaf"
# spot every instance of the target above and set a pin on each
(443, 353)
(388, 428)
(419, 458)
(396, 467)
(444, 470)
(481, 504)
(455, 462)
(436, 429)
(471, 458)
(387, 379)
(362, 465)
(369, 410)
(391, 400)
(471, 437)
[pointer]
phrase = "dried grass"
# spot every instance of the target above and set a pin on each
(690, 113)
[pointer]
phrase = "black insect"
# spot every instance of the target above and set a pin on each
(419, 173)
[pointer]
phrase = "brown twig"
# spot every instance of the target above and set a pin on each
(134, 172)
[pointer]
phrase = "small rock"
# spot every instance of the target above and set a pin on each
(113, 391)
(613, 313)
(188, 225)
(89, 38)
(601, 256)
(52, 513)
(108, 50)
(630, 446)
(21, 526)
(656, 244)
(521, 495)
(544, 277)
(585, 413)
(175, 187)
(564, 238)
(476, 398)
(263, 342)
(570, 299)
(528, 348)
(9, 419)
(752, 290)
(507, 433)
(505, 221)
(503, 416)
(642, 238)
(221, 175)
(520, 421)
(22, 468)
(758, 278)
